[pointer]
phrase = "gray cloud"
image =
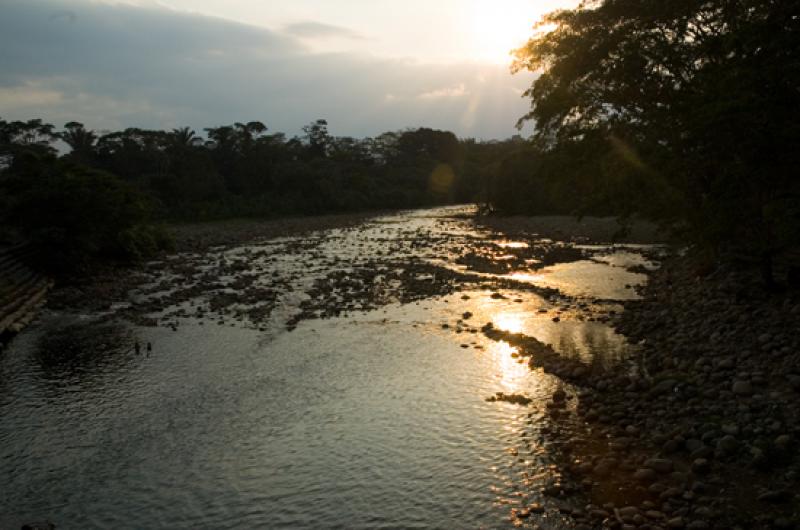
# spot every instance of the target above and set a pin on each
(113, 66)
(318, 30)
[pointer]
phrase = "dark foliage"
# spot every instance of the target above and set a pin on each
(687, 112)
(98, 199)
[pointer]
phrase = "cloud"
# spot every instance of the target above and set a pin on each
(450, 92)
(318, 30)
(118, 65)
(31, 94)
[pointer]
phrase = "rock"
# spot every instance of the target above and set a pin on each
(645, 475)
(517, 399)
(632, 430)
(693, 444)
(701, 466)
(559, 396)
(731, 429)
(783, 442)
(536, 508)
(697, 525)
(669, 493)
(742, 388)
(782, 523)
(670, 446)
(676, 522)
(604, 468)
(702, 452)
(727, 445)
(663, 387)
(775, 497)
(660, 465)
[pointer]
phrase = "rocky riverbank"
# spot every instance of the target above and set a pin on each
(700, 428)
(696, 428)
(23, 291)
(105, 286)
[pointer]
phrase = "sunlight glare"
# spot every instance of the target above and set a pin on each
(508, 322)
(500, 27)
(512, 371)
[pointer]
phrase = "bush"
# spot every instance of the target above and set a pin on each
(75, 216)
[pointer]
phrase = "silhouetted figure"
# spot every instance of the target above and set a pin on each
(149, 349)
(137, 348)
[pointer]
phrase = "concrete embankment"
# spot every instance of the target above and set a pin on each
(23, 291)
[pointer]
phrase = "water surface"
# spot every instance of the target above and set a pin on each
(376, 418)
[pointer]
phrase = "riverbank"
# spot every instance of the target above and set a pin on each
(106, 285)
(23, 291)
(691, 425)
(700, 428)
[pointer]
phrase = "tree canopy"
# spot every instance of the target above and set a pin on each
(696, 103)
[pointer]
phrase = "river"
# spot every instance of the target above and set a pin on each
(333, 380)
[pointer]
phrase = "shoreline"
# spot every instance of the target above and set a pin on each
(697, 430)
(111, 283)
(702, 431)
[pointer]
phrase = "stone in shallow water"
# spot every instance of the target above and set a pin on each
(517, 399)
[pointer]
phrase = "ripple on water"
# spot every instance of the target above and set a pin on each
(377, 420)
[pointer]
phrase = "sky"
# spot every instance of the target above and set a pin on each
(366, 66)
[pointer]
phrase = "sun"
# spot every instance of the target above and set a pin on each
(501, 26)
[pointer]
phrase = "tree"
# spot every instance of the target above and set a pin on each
(80, 140)
(317, 138)
(697, 98)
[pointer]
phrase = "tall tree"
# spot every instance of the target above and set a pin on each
(697, 98)
(80, 140)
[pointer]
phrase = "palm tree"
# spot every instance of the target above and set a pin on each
(184, 137)
(80, 139)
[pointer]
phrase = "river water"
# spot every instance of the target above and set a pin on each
(248, 413)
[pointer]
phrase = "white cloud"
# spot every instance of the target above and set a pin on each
(450, 92)
(29, 94)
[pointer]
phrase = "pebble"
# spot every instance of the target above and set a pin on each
(742, 388)
(660, 465)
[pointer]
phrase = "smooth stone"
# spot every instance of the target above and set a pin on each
(661, 465)
(727, 445)
(742, 388)
(701, 466)
(645, 475)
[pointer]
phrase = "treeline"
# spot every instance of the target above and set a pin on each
(103, 196)
(684, 112)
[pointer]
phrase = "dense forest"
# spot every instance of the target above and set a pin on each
(103, 197)
(686, 112)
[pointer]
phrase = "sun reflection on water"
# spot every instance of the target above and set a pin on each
(510, 322)
(512, 244)
(527, 277)
(512, 371)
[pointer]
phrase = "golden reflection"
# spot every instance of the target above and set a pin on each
(527, 277)
(512, 371)
(512, 244)
(510, 322)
